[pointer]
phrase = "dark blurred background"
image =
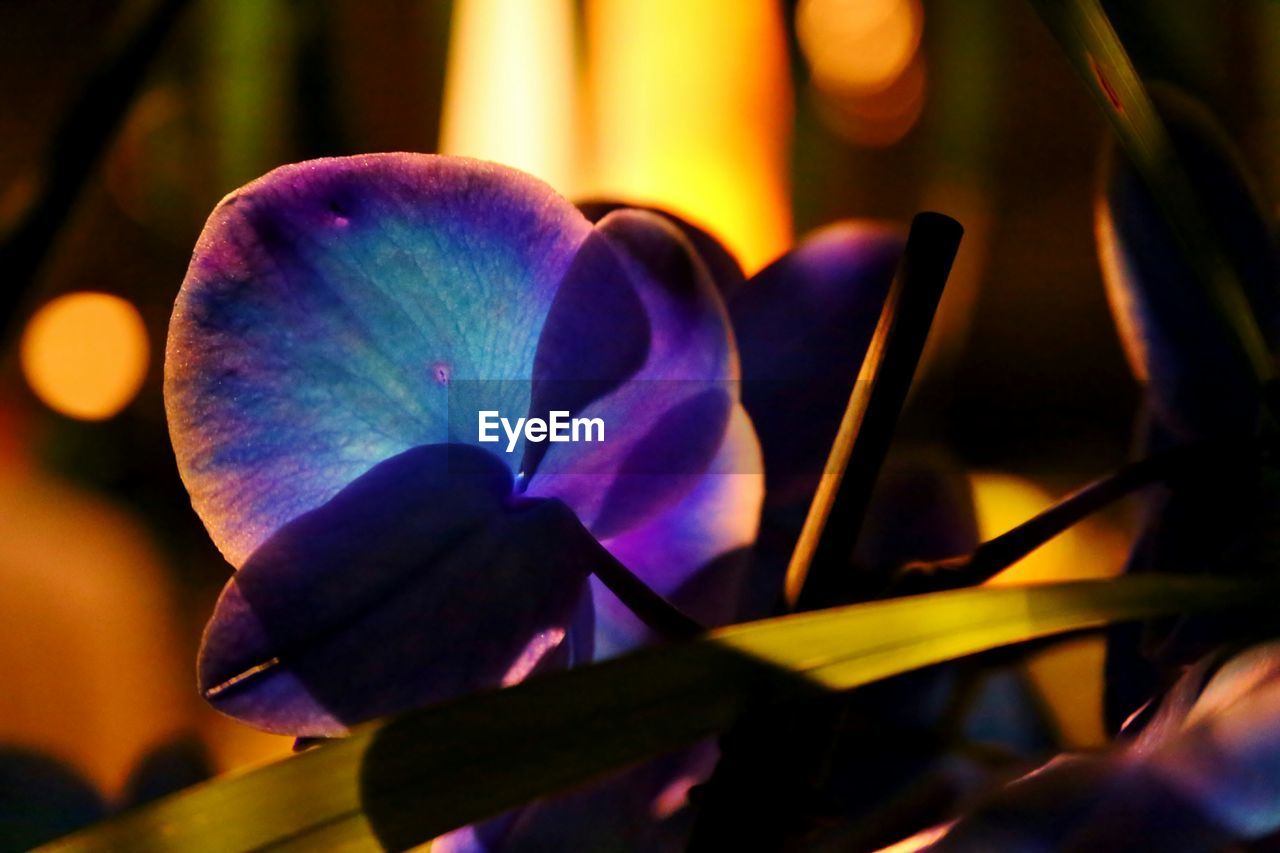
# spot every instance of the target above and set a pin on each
(760, 120)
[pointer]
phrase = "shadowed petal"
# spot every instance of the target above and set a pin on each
(1203, 775)
(1086, 803)
(1200, 382)
(663, 426)
(644, 808)
(327, 310)
(725, 270)
(419, 581)
(694, 552)
(803, 324)
(1226, 755)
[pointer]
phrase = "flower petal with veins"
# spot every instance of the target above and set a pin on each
(329, 307)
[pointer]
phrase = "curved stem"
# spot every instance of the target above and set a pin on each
(651, 608)
(996, 555)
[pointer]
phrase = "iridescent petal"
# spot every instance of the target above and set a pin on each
(803, 324)
(328, 309)
(421, 580)
(1200, 383)
(663, 426)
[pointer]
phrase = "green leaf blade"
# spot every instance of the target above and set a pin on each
(404, 781)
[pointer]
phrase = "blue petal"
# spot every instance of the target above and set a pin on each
(803, 324)
(420, 581)
(328, 309)
(1199, 381)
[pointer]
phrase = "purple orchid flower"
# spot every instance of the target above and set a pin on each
(342, 324)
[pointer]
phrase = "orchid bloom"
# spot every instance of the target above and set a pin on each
(341, 325)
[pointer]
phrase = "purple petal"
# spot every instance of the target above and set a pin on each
(421, 580)
(1200, 382)
(724, 268)
(665, 424)
(694, 552)
(803, 324)
(1204, 775)
(328, 309)
(1226, 756)
(1085, 803)
(644, 808)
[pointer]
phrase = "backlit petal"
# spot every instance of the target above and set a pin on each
(329, 307)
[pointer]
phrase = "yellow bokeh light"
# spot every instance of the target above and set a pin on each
(510, 88)
(858, 46)
(1068, 675)
(692, 109)
(93, 669)
(85, 354)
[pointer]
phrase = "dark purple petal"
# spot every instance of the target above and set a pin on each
(644, 808)
(1224, 754)
(421, 580)
(329, 309)
(1086, 803)
(664, 425)
(1203, 775)
(803, 324)
(725, 270)
(597, 336)
(1199, 381)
